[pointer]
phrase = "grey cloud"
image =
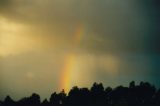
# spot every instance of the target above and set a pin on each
(127, 26)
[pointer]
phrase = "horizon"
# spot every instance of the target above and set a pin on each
(89, 88)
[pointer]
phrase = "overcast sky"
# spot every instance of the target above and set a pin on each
(45, 44)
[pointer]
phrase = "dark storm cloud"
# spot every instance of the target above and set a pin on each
(132, 26)
(121, 26)
(4, 2)
(151, 8)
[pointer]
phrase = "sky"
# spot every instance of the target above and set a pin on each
(50, 45)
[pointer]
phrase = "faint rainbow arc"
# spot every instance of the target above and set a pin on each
(70, 59)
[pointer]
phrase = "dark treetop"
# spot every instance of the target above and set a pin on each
(143, 94)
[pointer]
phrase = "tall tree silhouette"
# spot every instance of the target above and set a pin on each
(33, 100)
(143, 94)
(45, 103)
(8, 102)
(98, 94)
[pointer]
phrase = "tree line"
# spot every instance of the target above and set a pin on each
(143, 94)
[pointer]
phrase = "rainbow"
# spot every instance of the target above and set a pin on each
(70, 58)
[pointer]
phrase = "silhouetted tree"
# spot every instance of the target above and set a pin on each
(74, 97)
(33, 100)
(23, 102)
(54, 99)
(45, 103)
(0, 103)
(62, 98)
(143, 94)
(8, 102)
(156, 98)
(108, 92)
(98, 94)
(119, 96)
(132, 84)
